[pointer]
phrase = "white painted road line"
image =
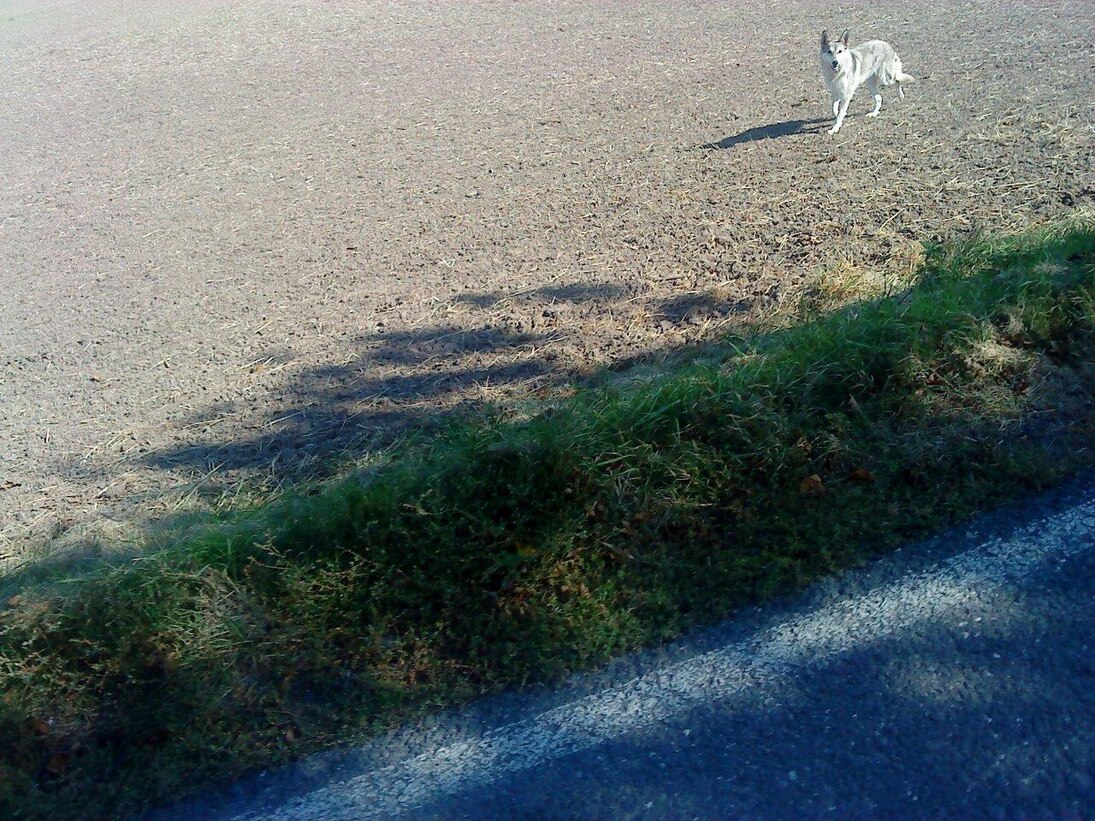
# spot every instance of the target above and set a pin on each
(743, 670)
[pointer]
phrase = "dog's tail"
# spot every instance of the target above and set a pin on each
(899, 72)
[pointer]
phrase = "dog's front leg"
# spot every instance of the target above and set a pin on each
(841, 110)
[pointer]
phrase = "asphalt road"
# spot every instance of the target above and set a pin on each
(954, 679)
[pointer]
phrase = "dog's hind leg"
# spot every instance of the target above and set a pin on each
(872, 86)
(899, 77)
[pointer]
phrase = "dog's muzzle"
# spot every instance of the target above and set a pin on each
(836, 65)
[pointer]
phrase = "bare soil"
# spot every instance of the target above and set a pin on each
(240, 239)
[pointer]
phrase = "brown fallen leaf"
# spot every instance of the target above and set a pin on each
(57, 764)
(812, 486)
(861, 475)
(39, 727)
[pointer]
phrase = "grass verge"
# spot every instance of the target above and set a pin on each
(506, 550)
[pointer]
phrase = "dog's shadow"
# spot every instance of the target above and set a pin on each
(769, 132)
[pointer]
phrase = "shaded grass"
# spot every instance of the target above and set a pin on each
(508, 550)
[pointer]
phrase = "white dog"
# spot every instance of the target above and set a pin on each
(874, 64)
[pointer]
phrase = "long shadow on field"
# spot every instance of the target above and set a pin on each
(769, 132)
(396, 381)
(604, 291)
(699, 306)
(403, 380)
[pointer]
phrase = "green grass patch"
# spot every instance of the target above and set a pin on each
(509, 550)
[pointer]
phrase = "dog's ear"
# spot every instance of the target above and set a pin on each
(825, 38)
(844, 38)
